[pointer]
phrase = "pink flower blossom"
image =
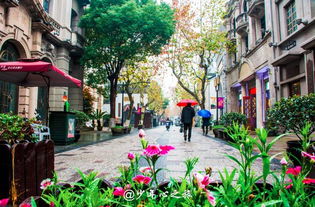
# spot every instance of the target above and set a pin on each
(289, 186)
(152, 150)
(131, 156)
(294, 171)
(202, 181)
(25, 205)
(51, 204)
(4, 202)
(145, 170)
(283, 161)
(165, 149)
(141, 133)
(119, 191)
(142, 179)
(311, 156)
(45, 183)
(308, 181)
(210, 197)
(206, 180)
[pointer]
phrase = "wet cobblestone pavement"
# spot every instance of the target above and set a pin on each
(105, 157)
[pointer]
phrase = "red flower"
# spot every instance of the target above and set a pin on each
(25, 205)
(119, 191)
(152, 150)
(4, 202)
(165, 149)
(142, 179)
(308, 181)
(294, 171)
(289, 186)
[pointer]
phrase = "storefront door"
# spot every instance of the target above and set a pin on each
(249, 107)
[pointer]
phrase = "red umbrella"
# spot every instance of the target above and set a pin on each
(33, 73)
(184, 102)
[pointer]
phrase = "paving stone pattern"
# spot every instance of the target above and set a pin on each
(105, 157)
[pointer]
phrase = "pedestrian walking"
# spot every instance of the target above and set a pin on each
(188, 114)
(205, 125)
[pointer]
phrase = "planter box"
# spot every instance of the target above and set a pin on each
(23, 166)
(117, 131)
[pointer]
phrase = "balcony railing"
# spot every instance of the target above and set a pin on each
(242, 24)
(256, 8)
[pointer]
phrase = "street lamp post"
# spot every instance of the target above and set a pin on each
(122, 105)
(217, 108)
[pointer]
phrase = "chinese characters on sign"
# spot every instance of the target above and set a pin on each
(131, 195)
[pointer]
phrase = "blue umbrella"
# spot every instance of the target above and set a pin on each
(204, 113)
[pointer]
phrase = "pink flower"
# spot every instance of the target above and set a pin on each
(152, 150)
(131, 156)
(206, 180)
(119, 191)
(308, 181)
(141, 133)
(142, 179)
(51, 204)
(283, 161)
(294, 171)
(4, 202)
(145, 170)
(210, 198)
(165, 149)
(289, 186)
(202, 181)
(25, 205)
(45, 183)
(311, 156)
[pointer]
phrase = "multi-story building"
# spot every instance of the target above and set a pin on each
(293, 43)
(275, 54)
(47, 30)
(249, 71)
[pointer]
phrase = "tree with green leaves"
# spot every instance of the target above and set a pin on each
(118, 31)
(155, 97)
(192, 50)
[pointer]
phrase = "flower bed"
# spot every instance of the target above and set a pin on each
(139, 186)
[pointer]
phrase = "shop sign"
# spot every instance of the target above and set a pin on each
(289, 45)
(71, 128)
(220, 102)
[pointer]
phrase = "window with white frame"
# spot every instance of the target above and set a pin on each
(291, 17)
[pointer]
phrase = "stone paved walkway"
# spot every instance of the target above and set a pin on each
(106, 156)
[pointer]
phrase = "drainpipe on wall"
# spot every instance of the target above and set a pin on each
(276, 69)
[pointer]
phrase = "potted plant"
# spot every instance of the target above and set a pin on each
(98, 115)
(24, 160)
(81, 119)
(227, 120)
(117, 130)
(292, 114)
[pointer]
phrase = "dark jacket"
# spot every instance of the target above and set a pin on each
(205, 121)
(188, 114)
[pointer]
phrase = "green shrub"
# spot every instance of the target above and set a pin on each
(292, 113)
(15, 128)
(233, 117)
(81, 118)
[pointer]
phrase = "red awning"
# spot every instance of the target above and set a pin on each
(34, 74)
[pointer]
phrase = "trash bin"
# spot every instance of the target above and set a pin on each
(62, 127)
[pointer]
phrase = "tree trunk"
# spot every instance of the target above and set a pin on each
(131, 104)
(113, 94)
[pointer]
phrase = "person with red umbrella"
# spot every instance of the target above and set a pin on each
(187, 116)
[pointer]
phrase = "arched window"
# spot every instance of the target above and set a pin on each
(8, 91)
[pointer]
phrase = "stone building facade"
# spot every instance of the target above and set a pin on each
(274, 39)
(46, 30)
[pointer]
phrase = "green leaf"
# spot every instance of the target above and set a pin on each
(269, 203)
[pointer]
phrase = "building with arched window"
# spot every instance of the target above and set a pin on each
(47, 30)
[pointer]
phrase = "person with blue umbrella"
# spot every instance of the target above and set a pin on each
(206, 115)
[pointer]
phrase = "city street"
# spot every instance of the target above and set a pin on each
(106, 156)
